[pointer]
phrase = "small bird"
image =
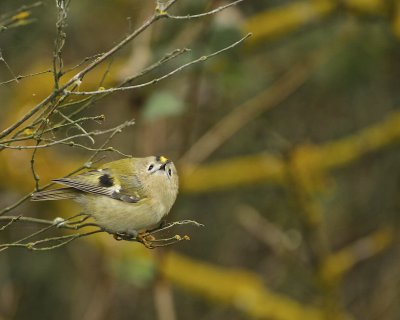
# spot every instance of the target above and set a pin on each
(128, 196)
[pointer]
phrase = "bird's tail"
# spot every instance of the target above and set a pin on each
(55, 194)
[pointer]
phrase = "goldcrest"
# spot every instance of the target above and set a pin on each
(126, 196)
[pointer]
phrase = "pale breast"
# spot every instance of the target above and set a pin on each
(119, 216)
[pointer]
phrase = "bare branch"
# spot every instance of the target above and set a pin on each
(160, 12)
(50, 243)
(79, 76)
(62, 9)
(8, 67)
(201, 15)
(20, 77)
(76, 125)
(59, 242)
(201, 59)
(55, 128)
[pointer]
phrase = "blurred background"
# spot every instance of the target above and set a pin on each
(287, 147)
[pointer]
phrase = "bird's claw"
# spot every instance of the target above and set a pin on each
(146, 239)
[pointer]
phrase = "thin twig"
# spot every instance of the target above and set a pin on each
(108, 149)
(36, 177)
(180, 68)
(76, 125)
(26, 219)
(50, 225)
(10, 220)
(57, 222)
(20, 77)
(172, 224)
(60, 241)
(8, 66)
(15, 204)
(200, 15)
(86, 59)
(55, 128)
(91, 133)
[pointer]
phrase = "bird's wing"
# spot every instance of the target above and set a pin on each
(56, 194)
(100, 182)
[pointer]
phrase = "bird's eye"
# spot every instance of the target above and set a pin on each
(150, 167)
(169, 172)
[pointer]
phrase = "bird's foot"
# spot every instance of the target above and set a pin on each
(127, 235)
(146, 239)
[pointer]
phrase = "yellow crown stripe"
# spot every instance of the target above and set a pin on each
(163, 159)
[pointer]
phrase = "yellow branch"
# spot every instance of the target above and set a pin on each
(270, 168)
(243, 290)
(290, 17)
(282, 20)
(233, 172)
(339, 263)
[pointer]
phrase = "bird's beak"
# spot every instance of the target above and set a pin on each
(162, 167)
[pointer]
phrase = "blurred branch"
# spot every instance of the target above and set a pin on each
(269, 234)
(292, 16)
(243, 290)
(338, 263)
(271, 97)
(163, 300)
(240, 289)
(18, 17)
(302, 187)
(273, 168)
(276, 22)
(242, 115)
(230, 173)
